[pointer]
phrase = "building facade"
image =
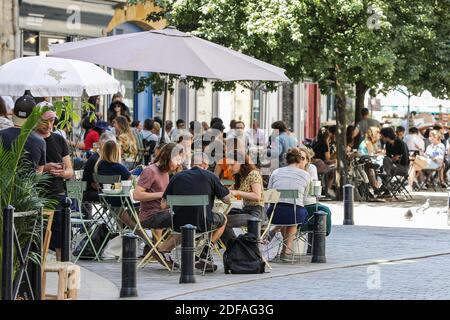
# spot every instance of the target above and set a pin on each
(28, 27)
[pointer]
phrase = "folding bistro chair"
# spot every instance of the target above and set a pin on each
(83, 227)
(103, 212)
(299, 235)
(148, 241)
(193, 201)
(271, 197)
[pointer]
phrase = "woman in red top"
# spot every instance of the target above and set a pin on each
(92, 136)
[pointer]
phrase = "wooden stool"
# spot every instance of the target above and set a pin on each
(68, 280)
(68, 273)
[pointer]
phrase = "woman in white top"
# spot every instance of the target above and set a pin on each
(291, 177)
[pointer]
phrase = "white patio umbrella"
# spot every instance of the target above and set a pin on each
(55, 77)
(169, 51)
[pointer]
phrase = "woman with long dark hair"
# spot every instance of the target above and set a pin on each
(116, 109)
(248, 186)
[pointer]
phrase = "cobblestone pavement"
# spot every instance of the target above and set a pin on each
(380, 233)
(420, 279)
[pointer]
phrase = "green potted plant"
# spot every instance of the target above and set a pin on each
(21, 188)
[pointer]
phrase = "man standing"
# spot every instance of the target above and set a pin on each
(35, 145)
(206, 183)
(361, 128)
(57, 154)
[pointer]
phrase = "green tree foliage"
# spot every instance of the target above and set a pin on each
(337, 43)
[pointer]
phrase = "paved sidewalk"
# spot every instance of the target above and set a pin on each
(381, 234)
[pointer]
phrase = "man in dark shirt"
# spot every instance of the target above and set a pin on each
(57, 154)
(35, 145)
(199, 181)
(396, 161)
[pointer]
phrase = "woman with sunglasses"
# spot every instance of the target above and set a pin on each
(288, 213)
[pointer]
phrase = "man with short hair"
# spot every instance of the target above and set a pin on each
(414, 142)
(281, 142)
(57, 154)
(396, 161)
(400, 132)
(181, 126)
(361, 128)
(35, 145)
(206, 183)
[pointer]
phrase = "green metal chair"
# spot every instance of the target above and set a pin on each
(291, 194)
(194, 201)
(83, 227)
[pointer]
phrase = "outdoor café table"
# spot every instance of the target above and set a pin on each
(126, 204)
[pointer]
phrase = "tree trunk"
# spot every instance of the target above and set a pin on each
(361, 90)
(341, 170)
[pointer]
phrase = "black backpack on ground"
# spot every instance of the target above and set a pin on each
(243, 255)
(99, 236)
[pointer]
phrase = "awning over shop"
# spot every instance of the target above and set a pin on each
(70, 17)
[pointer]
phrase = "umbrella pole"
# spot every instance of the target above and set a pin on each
(163, 129)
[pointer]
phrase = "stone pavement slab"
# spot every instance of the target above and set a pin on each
(380, 235)
(347, 246)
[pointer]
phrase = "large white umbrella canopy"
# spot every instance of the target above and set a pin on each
(169, 51)
(55, 77)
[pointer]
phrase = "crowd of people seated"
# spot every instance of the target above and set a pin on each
(416, 153)
(199, 158)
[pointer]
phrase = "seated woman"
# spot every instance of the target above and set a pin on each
(109, 165)
(323, 159)
(368, 147)
(433, 159)
(92, 136)
(291, 177)
(150, 189)
(249, 187)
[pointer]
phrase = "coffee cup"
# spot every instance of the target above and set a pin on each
(126, 185)
(107, 186)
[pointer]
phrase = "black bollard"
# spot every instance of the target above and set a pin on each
(129, 261)
(187, 254)
(254, 226)
(348, 205)
(35, 273)
(320, 234)
(7, 253)
(65, 230)
(310, 244)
